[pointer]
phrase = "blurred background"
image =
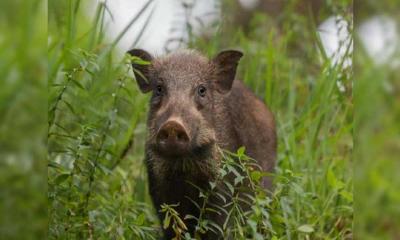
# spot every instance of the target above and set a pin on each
(73, 121)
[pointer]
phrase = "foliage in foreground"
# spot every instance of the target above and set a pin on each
(95, 111)
(23, 68)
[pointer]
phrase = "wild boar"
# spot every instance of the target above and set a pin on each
(196, 107)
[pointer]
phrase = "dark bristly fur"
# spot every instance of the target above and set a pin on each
(228, 116)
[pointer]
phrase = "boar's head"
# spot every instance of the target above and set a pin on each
(187, 91)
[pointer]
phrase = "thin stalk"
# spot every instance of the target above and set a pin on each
(60, 98)
(95, 163)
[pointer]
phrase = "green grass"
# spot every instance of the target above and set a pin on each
(23, 68)
(95, 109)
(377, 137)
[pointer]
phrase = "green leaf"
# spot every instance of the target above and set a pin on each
(347, 195)
(238, 179)
(231, 189)
(188, 216)
(140, 219)
(258, 236)
(69, 106)
(256, 175)
(221, 196)
(181, 223)
(61, 178)
(222, 172)
(333, 181)
(187, 235)
(212, 185)
(201, 194)
(104, 169)
(240, 151)
(305, 228)
(54, 165)
(297, 188)
(233, 170)
(78, 84)
(167, 220)
(139, 61)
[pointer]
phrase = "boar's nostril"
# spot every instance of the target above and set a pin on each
(172, 132)
(163, 134)
(180, 136)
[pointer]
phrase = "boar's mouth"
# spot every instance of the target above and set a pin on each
(195, 152)
(204, 151)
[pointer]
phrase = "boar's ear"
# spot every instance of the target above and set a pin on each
(141, 68)
(226, 63)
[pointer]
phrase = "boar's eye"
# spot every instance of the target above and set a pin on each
(201, 90)
(159, 90)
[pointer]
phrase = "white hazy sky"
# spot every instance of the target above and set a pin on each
(380, 37)
(336, 39)
(168, 14)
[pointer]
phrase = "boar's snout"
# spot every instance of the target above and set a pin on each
(172, 138)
